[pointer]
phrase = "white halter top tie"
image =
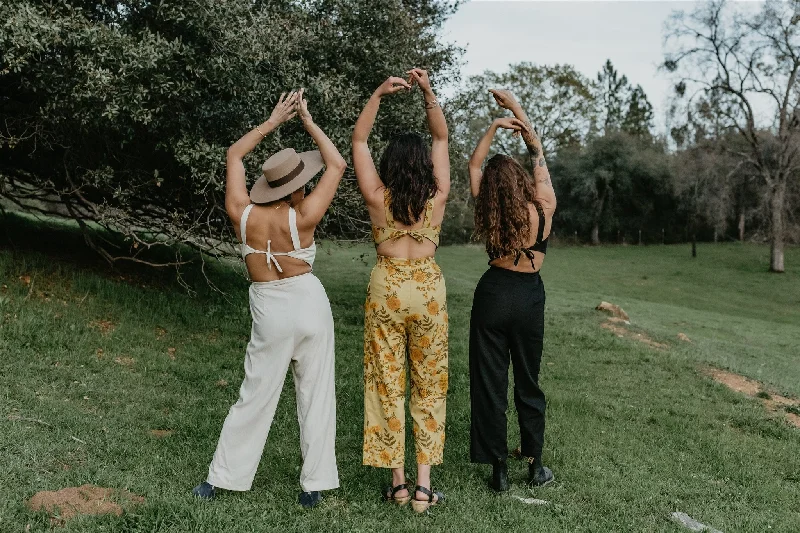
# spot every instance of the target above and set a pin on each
(304, 254)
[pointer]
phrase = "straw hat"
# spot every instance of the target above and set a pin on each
(284, 173)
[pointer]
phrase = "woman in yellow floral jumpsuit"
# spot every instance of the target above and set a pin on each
(405, 322)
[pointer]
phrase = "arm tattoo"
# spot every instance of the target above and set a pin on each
(531, 140)
(543, 164)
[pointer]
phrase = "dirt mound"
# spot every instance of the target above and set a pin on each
(754, 389)
(613, 310)
(613, 325)
(87, 499)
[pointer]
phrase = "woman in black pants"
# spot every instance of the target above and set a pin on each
(513, 214)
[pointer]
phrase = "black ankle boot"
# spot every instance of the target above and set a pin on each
(500, 476)
(310, 499)
(205, 491)
(538, 475)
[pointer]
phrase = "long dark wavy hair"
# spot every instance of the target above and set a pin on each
(406, 169)
(502, 218)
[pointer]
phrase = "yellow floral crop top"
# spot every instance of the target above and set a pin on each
(427, 231)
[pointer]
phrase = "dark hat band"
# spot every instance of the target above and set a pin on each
(288, 177)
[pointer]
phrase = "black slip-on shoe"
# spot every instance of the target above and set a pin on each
(310, 499)
(539, 476)
(499, 481)
(205, 490)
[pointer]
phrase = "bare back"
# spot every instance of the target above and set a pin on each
(271, 223)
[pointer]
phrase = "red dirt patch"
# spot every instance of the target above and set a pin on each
(103, 326)
(612, 325)
(161, 433)
(171, 353)
(683, 337)
(86, 499)
(754, 389)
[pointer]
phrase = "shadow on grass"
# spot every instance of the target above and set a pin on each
(44, 242)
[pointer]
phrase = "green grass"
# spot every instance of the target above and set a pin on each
(634, 433)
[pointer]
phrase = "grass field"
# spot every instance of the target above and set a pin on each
(634, 432)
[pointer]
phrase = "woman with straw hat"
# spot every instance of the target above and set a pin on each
(292, 321)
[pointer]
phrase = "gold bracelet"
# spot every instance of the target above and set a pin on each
(261, 132)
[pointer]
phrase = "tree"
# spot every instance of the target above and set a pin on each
(747, 63)
(638, 119)
(621, 107)
(615, 183)
(611, 92)
(118, 113)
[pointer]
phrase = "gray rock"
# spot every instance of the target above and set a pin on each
(691, 524)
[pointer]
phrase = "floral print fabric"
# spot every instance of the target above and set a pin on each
(381, 234)
(405, 319)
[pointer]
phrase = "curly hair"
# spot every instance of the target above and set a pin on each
(502, 218)
(406, 169)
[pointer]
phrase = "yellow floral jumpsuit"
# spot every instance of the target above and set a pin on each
(405, 318)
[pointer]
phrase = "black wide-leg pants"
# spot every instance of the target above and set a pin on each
(507, 324)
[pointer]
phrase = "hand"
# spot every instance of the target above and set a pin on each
(302, 109)
(420, 77)
(510, 123)
(392, 85)
(504, 98)
(285, 109)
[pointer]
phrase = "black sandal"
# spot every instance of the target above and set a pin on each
(421, 506)
(389, 494)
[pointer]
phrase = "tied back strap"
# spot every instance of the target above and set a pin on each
(271, 257)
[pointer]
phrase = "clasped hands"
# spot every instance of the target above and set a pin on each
(290, 106)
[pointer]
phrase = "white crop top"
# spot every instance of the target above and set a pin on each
(304, 254)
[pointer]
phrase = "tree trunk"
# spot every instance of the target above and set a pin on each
(598, 211)
(777, 203)
(741, 226)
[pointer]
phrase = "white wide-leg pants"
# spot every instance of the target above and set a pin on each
(292, 326)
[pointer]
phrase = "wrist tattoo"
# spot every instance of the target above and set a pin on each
(542, 162)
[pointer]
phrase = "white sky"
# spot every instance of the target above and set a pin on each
(584, 34)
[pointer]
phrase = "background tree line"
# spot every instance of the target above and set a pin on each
(118, 114)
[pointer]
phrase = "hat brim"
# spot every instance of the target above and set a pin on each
(262, 193)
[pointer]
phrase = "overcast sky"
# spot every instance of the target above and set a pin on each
(584, 34)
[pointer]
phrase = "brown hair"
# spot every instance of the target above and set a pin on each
(502, 218)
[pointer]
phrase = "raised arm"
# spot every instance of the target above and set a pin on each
(366, 174)
(236, 195)
(437, 125)
(545, 193)
(314, 206)
(482, 150)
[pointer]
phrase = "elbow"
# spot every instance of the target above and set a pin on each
(230, 208)
(233, 153)
(339, 165)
